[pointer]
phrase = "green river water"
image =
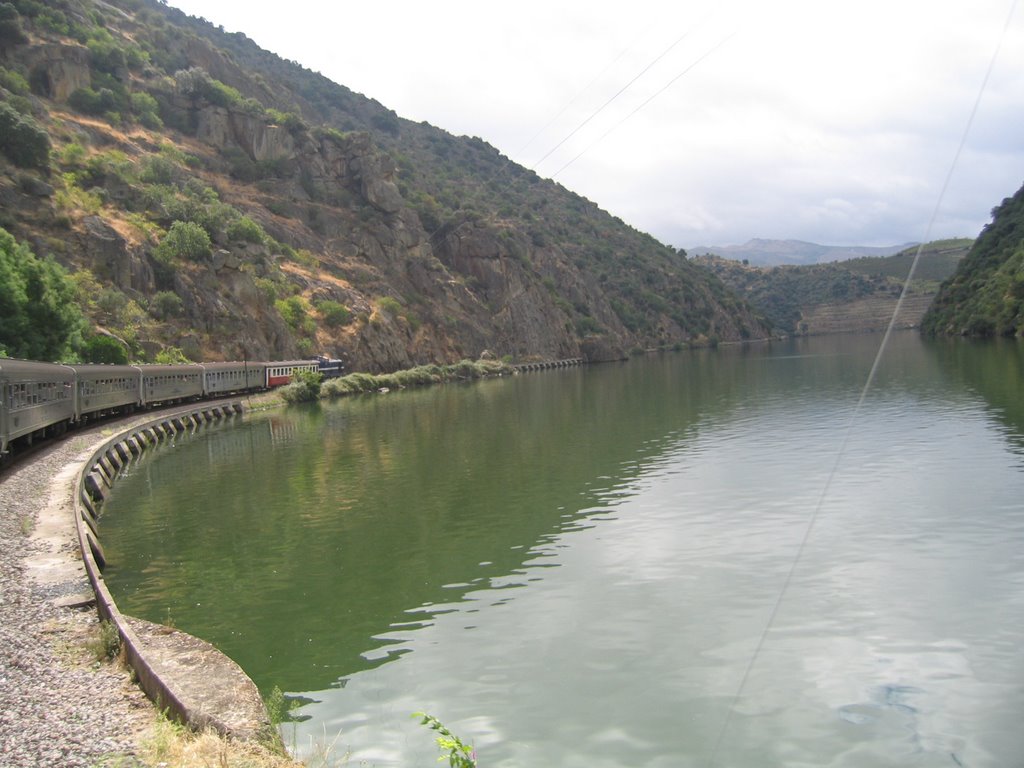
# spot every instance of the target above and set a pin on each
(693, 559)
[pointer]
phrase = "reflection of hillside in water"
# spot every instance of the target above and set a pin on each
(373, 507)
(994, 369)
(304, 536)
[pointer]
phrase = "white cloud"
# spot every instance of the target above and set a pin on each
(803, 104)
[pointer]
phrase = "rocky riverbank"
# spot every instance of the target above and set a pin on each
(59, 705)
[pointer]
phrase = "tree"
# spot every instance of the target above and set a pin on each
(39, 319)
(104, 349)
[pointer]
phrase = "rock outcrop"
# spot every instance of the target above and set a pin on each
(335, 225)
(58, 69)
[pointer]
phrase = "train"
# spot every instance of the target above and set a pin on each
(41, 400)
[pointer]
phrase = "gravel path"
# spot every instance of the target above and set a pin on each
(58, 705)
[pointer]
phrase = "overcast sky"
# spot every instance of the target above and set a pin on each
(833, 122)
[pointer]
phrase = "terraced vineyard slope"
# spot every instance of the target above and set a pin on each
(854, 296)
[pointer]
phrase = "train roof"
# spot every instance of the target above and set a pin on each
(233, 365)
(151, 368)
(93, 370)
(13, 367)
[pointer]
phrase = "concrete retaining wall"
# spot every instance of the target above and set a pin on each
(187, 677)
(543, 366)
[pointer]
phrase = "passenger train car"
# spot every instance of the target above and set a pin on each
(40, 400)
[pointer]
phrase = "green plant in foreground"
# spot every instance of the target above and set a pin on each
(106, 643)
(459, 755)
(278, 706)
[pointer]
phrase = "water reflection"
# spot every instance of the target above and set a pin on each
(575, 568)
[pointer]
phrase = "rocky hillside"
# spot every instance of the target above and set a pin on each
(985, 296)
(210, 200)
(858, 295)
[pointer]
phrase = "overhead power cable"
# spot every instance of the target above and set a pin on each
(618, 93)
(816, 513)
(579, 93)
(595, 113)
(651, 98)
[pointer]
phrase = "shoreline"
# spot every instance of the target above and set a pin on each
(63, 700)
(59, 703)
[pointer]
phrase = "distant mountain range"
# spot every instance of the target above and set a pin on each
(773, 253)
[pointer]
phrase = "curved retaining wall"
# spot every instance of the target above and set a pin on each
(187, 677)
(543, 366)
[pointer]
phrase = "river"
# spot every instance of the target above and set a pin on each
(704, 558)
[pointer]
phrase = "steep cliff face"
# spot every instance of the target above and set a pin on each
(330, 225)
(58, 69)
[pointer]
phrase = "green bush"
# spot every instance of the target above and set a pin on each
(338, 388)
(185, 240)
(22, 141)
(423, 375)
(104, 349)
(14, 82)
(334, 314)
(198, 203)
(171, 356)
(96, 102)
(105, 167)
(240, 165)
(10, 26)
(146, 109)
(105, 55)
(245, 230)
(73, 155)
(293, 310)
(111, 302)
(326, 131)
(289, 120)
(390, 305)
(267, 288)
(158, 169)
(305, 387)
(165, 304)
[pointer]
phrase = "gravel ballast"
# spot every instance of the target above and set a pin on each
(59, 706)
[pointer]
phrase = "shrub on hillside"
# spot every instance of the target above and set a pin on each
(95, 102)
(165, 304)
(22, 140)
(185, 240)
(14, 82)
(171, 356)
(147, 110)
(11, 33)
(105, 350)
(334, 314)
(245, 230)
